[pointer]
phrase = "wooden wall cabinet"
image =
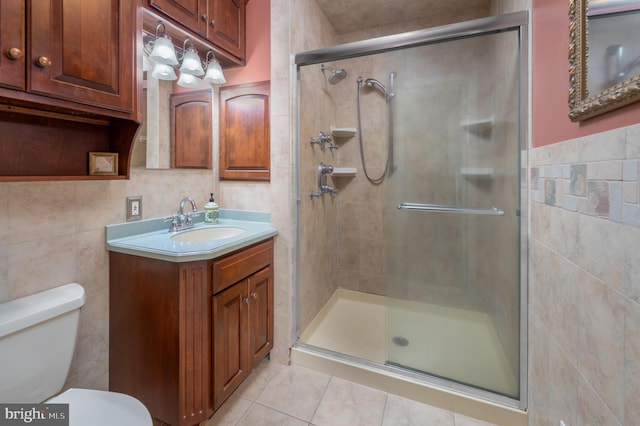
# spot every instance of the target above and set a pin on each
(64, 54)
(245, 148)
(66, 77)
(191, 129)
(221, 22)
(183, 336)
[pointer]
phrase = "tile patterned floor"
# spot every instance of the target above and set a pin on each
(296, 396)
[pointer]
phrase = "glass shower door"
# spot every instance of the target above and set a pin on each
(453, 246)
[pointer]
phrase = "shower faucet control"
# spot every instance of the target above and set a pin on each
(323, 170)
(323, 139)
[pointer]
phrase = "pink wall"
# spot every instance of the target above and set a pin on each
(258, 66)
(550, 121)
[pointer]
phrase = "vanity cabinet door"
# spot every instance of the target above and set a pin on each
(230, 341)
(12, 44)
(261, 314)
(82, 51)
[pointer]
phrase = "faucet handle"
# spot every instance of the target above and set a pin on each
(174, 222)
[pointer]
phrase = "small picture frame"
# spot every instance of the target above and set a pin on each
(103, 163)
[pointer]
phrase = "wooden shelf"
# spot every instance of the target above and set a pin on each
(48, 146)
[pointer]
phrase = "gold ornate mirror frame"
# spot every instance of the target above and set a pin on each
(582, 106)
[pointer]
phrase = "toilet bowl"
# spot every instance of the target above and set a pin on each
(37, 340)
(102, 408)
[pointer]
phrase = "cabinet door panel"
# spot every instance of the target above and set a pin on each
(82, 51)
(230, 341)
(190, 13)
(12, 33)
(260, 314)
(191, 129)
(226, 25)
(245, 148)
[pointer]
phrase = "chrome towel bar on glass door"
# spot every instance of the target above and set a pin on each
(492, 211)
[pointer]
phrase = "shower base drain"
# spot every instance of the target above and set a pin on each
(400, 341)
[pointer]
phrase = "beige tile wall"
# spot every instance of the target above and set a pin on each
(584, 282)
(53, 234)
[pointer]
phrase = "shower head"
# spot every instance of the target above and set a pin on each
(336, 75)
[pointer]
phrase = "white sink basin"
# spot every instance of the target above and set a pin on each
(207, 234)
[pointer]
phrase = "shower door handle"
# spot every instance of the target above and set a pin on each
(492, 211)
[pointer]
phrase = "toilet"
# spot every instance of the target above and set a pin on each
(37, 341)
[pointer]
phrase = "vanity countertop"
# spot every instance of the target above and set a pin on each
(151, 237)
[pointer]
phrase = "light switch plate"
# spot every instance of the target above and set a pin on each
(134, 208)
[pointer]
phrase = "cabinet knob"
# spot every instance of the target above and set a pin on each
(203, 18)
(245, 300)
(43, 62)
(212, 23)
(15, 53)
(254, 295)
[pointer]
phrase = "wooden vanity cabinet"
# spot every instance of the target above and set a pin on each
(183, 336)
(160, 336)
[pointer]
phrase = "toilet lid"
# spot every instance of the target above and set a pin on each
(102, 408)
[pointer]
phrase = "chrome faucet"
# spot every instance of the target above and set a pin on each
(194, 208)
(181, 221)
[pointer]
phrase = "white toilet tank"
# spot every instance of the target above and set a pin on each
(37, 341)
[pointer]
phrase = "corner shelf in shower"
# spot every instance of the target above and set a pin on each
(478, 126)
(344, 172)
(343, 132)
(477, 172)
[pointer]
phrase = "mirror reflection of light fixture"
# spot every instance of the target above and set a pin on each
(163, 72)
(214, 73)
(187, 80)
(163, 51)
(191, 60)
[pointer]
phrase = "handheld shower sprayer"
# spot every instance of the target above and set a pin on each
(336, 76)
(373, 83)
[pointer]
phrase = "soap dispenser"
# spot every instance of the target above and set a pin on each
(211, 211)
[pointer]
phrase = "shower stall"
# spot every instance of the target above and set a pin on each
(412, 206)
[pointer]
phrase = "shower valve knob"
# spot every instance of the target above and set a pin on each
(323, 138)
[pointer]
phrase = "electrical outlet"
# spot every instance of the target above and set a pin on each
(134, 208)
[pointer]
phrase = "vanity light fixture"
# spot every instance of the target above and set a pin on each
(214, 73)
(190, 60)
(163, 51)
(162, 54)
